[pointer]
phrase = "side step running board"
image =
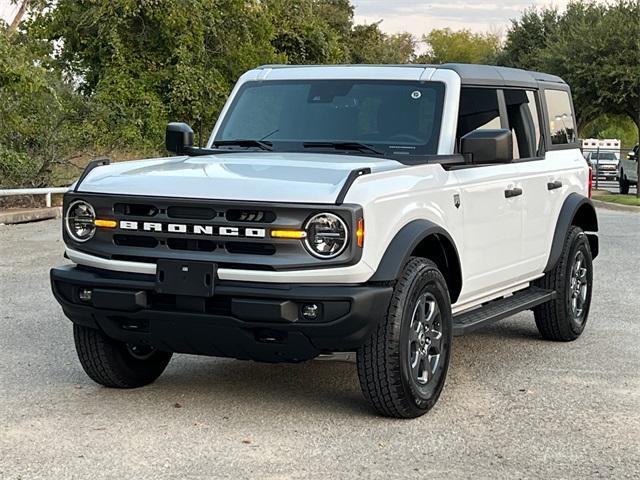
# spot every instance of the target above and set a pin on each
(495, 310)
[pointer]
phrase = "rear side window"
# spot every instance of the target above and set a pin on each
(524, 122)
(561, 122)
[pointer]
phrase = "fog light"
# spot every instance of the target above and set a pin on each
(310, 311)
(85, 294)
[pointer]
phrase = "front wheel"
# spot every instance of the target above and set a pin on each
(403, 366)
(624, 184)
(116, 364)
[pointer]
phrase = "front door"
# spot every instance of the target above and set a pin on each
(491, 203)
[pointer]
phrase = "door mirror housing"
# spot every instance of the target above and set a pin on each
(487, 146)
(178, 137)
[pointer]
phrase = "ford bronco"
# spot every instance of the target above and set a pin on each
(380, 210)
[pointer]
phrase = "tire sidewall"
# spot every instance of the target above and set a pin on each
(426, 279)
(580, 243)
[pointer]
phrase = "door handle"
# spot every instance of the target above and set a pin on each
(512, 192)
(554, 185)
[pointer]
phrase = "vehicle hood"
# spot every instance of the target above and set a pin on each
(250, 176)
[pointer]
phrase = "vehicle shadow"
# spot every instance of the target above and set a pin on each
(318, 386)
(323, 387)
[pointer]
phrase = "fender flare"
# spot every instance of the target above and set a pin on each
(404, 244)
(576, 210)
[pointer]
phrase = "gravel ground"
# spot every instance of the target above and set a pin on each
(514, 406)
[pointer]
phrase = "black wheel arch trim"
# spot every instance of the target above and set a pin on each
(576, 210)
(407, 241)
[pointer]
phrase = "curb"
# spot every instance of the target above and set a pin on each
(30, 215)
(615, 206)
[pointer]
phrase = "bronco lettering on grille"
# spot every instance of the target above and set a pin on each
(213, 230)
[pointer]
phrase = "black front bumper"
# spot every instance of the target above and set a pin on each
(255, 321)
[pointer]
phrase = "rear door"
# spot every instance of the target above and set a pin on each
(492, 243)
(551, 167)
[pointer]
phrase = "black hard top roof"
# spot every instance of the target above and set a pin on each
(471, 74)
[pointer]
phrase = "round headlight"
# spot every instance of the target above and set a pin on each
(79, 221)
(327, 235)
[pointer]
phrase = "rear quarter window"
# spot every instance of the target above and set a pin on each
(562, 128)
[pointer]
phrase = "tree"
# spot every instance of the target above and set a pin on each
(369, 44)
(147, 62)
(527, 37)
(40, 114)
(462, 46)
(594, 47)
(309, 31)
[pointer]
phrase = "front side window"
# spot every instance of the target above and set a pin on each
(561, 122)
(479, 110)
(395, 117)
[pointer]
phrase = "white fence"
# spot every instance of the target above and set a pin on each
(47, 192)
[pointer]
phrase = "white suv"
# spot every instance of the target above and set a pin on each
(371, 209)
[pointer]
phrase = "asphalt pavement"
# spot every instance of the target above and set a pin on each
(514, 405)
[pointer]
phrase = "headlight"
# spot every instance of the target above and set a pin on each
(327, 235)
(79, 221)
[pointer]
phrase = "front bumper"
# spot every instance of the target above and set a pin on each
(242, 320)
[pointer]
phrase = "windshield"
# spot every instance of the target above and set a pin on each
(604, 156)
(393, 117)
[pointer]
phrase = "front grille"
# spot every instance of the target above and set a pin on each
(254, 216)
(195, 245)
(230, 234)
(191, 213)
(135, 210)
(250, 248)
(135, 241)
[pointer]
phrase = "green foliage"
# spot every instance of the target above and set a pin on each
(310, 31)
(40, 115)
(462, 46)
(370, 45)
(595, 47)
(611, 126)
(148, 62)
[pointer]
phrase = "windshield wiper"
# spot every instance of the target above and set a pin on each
(358, 147)
(244, 143)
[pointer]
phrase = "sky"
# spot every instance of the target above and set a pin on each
(419, 17)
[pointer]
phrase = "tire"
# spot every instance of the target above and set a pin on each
(624, 184)
(564, 318)
(115, 364)
(409, 335)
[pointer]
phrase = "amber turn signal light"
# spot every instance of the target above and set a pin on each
(360, 233)
(295, 234)
(105, 223)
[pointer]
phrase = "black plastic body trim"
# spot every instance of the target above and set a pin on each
(353, 175)
(588, 222)
(256, 321)
(402, 246)
(90, 166)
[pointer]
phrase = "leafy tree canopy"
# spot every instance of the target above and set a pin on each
(462, 46)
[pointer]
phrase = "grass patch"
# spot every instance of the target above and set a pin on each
(619, 199)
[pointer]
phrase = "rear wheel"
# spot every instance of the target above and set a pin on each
(565, 317)
(117, 364)
(403, 366)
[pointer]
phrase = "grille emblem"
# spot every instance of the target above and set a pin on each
(205, 230)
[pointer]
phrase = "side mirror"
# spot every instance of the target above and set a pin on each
(179, 136)
(487, 146)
